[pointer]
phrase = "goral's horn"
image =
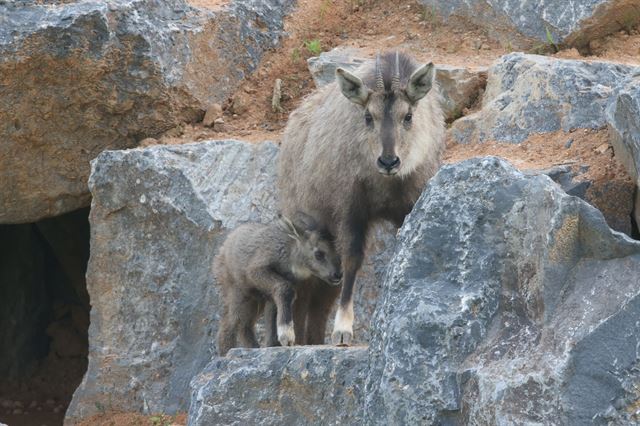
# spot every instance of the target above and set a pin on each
(379, 79)
(395, 81)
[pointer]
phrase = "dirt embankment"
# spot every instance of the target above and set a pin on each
(370, 26)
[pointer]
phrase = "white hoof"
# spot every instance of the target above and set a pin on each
(286, 335)
(343, 326)
(341, 338)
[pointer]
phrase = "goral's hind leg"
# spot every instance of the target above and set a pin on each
(226, 333)
(247, 314)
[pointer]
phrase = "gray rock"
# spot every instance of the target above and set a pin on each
(507, 302)
(528, 94)
(81, 77)
(312, 385)
(460, 87)
(524, 23)
(623, 118)
(323, 67)
(612, 196)
(158, 217)
(564, 176)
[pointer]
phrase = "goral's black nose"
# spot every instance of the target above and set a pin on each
(388, 162)
(337, 276)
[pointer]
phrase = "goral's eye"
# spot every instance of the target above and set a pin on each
(319, 255)
(368, 118)
(408, 118)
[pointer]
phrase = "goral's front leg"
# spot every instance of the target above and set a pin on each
(343, 326)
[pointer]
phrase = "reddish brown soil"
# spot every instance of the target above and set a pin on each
(364, 24)
(622, 47)
(611, 187)
(371, 26)
(541, 151)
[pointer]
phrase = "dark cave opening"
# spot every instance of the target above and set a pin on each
(44, 317)
(635, 214)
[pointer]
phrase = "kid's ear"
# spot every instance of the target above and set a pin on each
(290, 228)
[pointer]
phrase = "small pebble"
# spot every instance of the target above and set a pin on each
(56, 410)
(50, 401)
(17, 411)
(18, 404)
(568, 143)
(33, 404)
(6, 404)
(213, 112)
(602, 148)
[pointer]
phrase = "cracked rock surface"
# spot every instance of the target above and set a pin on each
(526, 23)
(528, 94)
(105, 75)
(283, 386)
(506, 302)
(623, 119)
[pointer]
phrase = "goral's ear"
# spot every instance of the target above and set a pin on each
(352, 87)
(420, 82)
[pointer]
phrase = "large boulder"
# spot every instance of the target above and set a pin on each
(528, 94)
(623, 117)
(527, 23)
(460, 87)
(157, 219)
(507, 302)
(79, 77)
(283, 386)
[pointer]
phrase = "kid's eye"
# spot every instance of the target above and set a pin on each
(408, 117)
(368, 118)
(319, 255)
